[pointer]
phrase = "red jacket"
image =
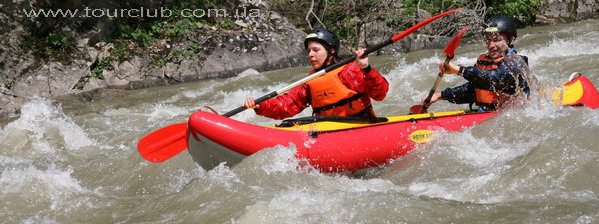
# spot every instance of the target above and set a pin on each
(372, 84)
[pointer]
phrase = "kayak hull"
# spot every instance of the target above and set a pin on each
(342, 145)
(328, 146)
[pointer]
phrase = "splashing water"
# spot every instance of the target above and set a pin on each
(78, 163)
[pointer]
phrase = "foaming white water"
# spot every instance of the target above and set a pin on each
(277, 187)
(48, 183)
(407, 78)
(32, 194)
(526, 153)
(45, 127)
(578, 46)
(501, 161)
(559, 58)
(533, 163)
(250, 73)
(509, 168)
(281, 159)
(481, 164)
(161, 111)
(34, 176)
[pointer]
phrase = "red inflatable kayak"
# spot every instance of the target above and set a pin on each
(331, 144)
(341, 144)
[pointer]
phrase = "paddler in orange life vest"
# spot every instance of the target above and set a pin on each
(498, 75)
(345, 91)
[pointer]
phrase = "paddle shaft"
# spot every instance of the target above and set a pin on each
(427, 101)
(341, 63)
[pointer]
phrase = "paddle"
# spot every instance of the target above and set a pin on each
(167, 142)
(449, 50)
(163, 143)
(341, 63)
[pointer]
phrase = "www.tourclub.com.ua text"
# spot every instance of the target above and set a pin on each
(142, 13)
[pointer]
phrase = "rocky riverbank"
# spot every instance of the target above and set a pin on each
(204, 51)
(76, 62)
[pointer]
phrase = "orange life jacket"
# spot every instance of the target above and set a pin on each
(331, 98)
(484, 97)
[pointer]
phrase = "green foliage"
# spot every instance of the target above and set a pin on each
(194, 4)
(180, 27)
(79, 85)
(194, 48)
(160, 62)
(198, 24)
(144, 32)
(96, 73)
(47, 45)
(227, 24)
(340, 18)
(123, 30)
(522, 10)
(120, 50)
(431, 6)
(143, 36)
(176, 54)
(9, 83)
(347, 17)
(197, 4)
(28, 42)
(57, 40)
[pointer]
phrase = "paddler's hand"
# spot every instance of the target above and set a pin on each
(361, 62)
(451, 68)
(434, 98)
(250, 104)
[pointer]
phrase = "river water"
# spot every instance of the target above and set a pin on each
(77, 162)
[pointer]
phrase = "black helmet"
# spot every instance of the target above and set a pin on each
(501, 24)
(323, 36)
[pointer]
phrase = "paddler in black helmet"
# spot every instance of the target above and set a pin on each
(345, 91)
(498, 75)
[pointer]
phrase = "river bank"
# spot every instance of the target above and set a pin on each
(75, 62)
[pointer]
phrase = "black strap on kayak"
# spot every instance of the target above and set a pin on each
(337, 104)
(313, 119)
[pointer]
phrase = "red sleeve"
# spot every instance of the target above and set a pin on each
(287, 104)
(373, 84)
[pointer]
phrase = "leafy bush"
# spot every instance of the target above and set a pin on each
(180, 27)
(47, 45)
(9, 83)
(432, 6)
(522, 10)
